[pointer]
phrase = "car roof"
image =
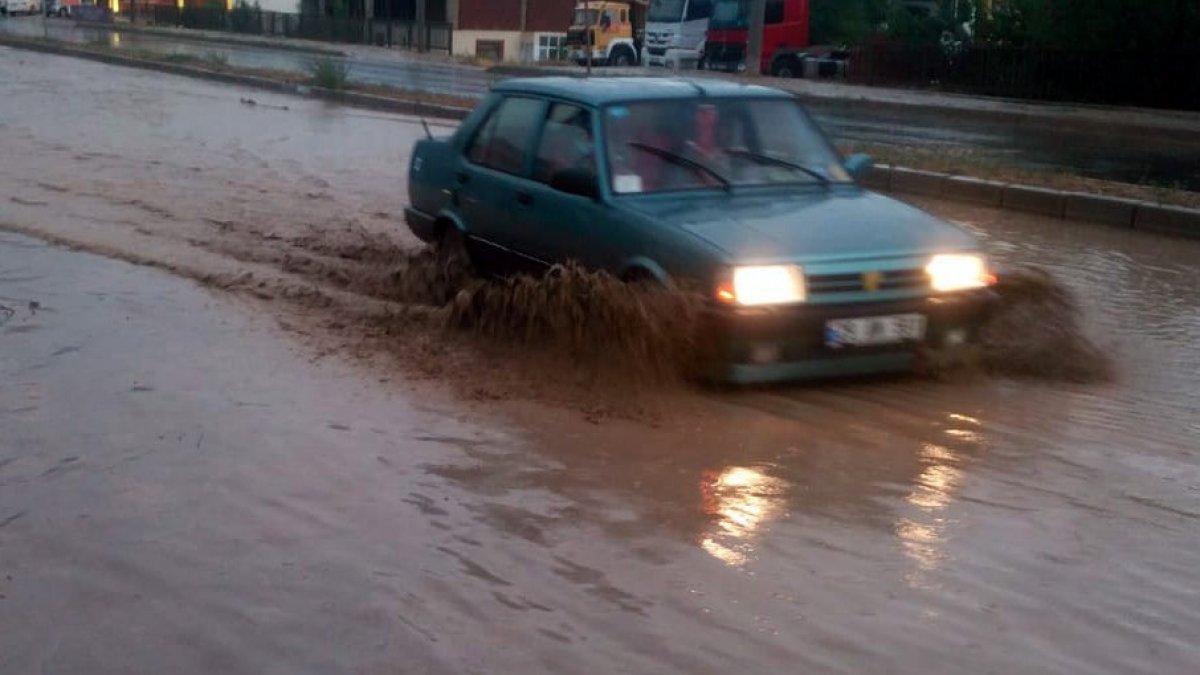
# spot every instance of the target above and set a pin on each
(599, 91)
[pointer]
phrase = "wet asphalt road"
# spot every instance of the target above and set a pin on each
(1086, 151)
(185, 486)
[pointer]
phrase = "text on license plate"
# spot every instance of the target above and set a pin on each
(874, 330)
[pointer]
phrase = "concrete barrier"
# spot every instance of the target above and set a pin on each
(974, 190)
(913, 181)
(1034, 200)
(1168, 220)
(1099, 209)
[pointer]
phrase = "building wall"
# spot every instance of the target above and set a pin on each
(465, 42)
(489, 15)
(540, 15)
(549, 16)
(518, 46)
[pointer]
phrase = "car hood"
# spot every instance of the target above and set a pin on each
(836, 225)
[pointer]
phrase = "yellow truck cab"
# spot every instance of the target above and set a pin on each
(612, 30)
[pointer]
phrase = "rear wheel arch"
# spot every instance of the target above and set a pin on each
(445, 220)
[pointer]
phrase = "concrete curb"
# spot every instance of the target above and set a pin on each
(191, 35)
(1075, 206)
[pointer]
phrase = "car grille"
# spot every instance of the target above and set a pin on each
(856, 283)
(657, 51)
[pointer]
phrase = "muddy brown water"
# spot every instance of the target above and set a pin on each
(187, 481)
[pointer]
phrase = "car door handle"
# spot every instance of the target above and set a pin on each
(524, 198)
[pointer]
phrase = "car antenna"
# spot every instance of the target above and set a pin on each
(427, 131)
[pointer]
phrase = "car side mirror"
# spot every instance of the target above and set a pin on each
(859, 165)
(580, 182)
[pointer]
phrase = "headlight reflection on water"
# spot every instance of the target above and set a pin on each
(741, 500)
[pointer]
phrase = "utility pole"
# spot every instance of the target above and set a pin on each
(754, 40)
(588, 35)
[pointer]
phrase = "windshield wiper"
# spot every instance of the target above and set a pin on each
(768, 159)
(680, 160)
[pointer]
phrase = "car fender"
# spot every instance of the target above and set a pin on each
(644, 264)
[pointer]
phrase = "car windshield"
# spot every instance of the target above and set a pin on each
(715, 143)
(665, 11)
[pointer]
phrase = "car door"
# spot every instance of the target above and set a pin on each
(491, 173)
(557, 226)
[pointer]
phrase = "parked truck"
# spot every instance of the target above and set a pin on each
(675, 32)
(786, 47)
(611, 31)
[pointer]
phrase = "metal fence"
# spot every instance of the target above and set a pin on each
(1158, 79)
(249, 21)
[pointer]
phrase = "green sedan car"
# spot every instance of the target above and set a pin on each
(730, 187)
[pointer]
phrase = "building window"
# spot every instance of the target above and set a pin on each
(551, 48)
(490, 50)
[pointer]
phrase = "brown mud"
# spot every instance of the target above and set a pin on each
(603, 329)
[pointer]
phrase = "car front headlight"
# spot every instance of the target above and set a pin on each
(757, 285)
(958, 272)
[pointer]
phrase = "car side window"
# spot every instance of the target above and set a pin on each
(502, 141)
(566, 142)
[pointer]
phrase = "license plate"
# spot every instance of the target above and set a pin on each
(874, 330)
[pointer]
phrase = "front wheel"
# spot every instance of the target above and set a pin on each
(787, 68)
(621, 58)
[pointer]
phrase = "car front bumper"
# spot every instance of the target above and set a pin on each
(765, 345)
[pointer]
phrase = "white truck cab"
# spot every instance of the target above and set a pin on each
(675, 31)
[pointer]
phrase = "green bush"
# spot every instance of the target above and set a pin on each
(329, 73)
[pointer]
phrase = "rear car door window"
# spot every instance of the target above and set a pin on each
(566, 142)
(503, 140)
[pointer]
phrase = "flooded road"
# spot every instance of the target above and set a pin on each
(219, 481)
(1086, 151)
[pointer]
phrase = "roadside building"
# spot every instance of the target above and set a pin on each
(512, 30)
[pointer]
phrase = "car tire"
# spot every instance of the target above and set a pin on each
(63, 12)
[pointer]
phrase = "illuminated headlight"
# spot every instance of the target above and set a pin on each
(958, 272)
(763, 285)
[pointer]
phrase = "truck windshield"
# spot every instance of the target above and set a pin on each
(665, 11)
(729, 14)
(715, 143)
(585, 17)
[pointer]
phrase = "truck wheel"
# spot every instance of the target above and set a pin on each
(622, 57)
(788, 68)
